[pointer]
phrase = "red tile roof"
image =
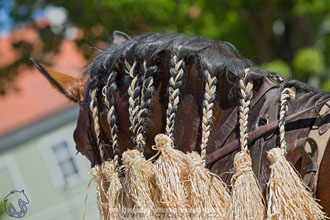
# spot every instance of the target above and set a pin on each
(35, 97)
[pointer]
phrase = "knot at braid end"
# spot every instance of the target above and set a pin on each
(275, 154)
(131, 157)
(242, 161)
(163, 141)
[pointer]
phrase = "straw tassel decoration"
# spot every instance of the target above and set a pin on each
(138, 177)
(207, 193)
(105, 175)
(138, 181)
(247, 201)
(100, 190)
(170, 167)
(114, 189)
(287, 196)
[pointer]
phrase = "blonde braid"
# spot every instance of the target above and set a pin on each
(246, 96)
(109, 91)
(286, 95)
(147, 93)
(134, 98)
(208, 104)
(97, 128)
(175, 84)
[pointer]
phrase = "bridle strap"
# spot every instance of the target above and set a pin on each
(258, 132)
(228, 126)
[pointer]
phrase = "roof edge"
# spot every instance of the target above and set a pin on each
(42, 126)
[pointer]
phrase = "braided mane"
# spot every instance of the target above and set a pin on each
(204, 96)
(134, 69)
(218, 57)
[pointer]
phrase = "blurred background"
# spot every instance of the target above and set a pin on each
(37, 153)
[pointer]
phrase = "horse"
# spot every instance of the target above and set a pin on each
(173, 72)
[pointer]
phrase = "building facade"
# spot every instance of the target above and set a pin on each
(37, 153)
(41, 160)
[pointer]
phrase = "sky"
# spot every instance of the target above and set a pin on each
(6, 23)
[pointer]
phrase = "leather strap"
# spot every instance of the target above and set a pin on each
(267, 114)
(234, 145)
(309, 164)
(229, 125)
(322, 136)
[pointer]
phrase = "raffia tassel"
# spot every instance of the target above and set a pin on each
(101, 190)
(113, 188)
(287, 196)
(138, 182)
(247, 202)
(170, 170)
(207, 193)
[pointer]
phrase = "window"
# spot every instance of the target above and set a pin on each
(66, 162)
(64, 166)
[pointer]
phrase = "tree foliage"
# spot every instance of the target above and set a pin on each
(266, 31)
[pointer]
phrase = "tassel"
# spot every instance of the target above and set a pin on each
(138, 182)
(288, 197)
(101, 190)
(207, 193)
(108, 189)
(100, 195)
(114, 188)
(170, 170)
(247, 200)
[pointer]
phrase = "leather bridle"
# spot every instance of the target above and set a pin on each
(258, 132)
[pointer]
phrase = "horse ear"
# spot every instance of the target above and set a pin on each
(119, 37)
(72, 88)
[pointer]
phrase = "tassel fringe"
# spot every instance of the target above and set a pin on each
(247, 201)
(288, 197)
(207, 193)
(138, 181)
(108, 189)
(170, 171)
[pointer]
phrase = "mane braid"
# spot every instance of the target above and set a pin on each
(147, 93)
(134, 99)
(208, 104)
(109, 91)
(95, 115)
(246, 96)
(175, 83)
(286, 95)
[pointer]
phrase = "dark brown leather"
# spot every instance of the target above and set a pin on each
(233, 145)
(228, 127)
(309, 164)
(267, 115)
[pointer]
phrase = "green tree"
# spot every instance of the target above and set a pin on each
(2, 208)
(263, 30)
